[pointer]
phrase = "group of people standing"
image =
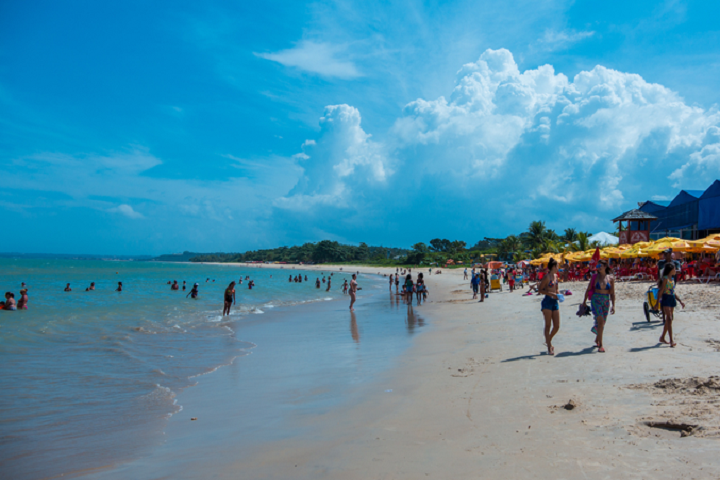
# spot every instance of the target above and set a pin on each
(600, 293)
(409, 287)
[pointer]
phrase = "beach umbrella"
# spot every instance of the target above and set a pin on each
(712, 240)
(668, 242)
(704, 248)
(612, 252)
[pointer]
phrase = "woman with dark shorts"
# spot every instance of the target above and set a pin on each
(229, 298)
(668, 301)
(549, 306)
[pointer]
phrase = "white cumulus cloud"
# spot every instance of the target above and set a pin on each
(511, 146)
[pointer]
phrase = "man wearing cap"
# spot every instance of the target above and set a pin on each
(668, 257)
(194, 291)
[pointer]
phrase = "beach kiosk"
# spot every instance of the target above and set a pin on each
(637, 226)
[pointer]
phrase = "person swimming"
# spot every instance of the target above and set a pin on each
(10, 301)
(119, 288)
(175, 285)
(67, 288)
(91, 287)
(22, 304)
(194, 292)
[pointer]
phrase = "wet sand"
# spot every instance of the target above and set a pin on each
(477, 397)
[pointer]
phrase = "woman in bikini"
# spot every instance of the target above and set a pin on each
(549, 306)
(353, 292)
(669, 301)
(229, 298)
(601, 292)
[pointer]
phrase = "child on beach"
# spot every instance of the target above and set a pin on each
(549, 306)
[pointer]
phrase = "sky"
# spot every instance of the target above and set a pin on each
(158, 127)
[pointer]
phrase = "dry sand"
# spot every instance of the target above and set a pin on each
(477, 397)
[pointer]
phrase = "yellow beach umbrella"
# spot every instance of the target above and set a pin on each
(611, 252)
(712, 240)
(668, 242)
(704, 248)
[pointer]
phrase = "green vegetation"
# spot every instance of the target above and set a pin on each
(530, 244)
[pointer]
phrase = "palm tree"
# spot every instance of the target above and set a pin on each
(582, 243)
(536, 234)
(570, 235)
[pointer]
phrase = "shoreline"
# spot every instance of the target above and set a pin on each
(477, 396)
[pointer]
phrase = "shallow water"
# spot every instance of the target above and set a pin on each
(90, 378)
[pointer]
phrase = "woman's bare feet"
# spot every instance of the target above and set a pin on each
(672, 345)
(551, 350)
(662, 340)
(601, 349)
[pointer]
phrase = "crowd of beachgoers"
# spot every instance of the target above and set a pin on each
(543, 279)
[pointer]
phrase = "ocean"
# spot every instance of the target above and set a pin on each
(89, 379)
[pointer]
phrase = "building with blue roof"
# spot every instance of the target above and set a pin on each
(692, 214)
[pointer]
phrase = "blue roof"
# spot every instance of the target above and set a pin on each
(713, 190)
(654, 205)
(686, 196)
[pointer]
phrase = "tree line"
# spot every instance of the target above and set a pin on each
(537, 240)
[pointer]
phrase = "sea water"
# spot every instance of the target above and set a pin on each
(89, 378)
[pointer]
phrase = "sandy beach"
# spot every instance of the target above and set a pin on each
(476, 397)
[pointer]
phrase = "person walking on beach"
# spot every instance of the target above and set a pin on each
(409, 288)
(353, 291)
(668, 257)
(669, 301)
(601, 292)
(549, 306)
(229, 298)
(194, 292)
(420, 287)
(475, 285)
(482, 284)
(465, 277)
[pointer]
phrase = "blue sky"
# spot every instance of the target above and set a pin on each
(229, 126)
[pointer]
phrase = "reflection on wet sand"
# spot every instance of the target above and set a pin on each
(413, 320)
(354, 328)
